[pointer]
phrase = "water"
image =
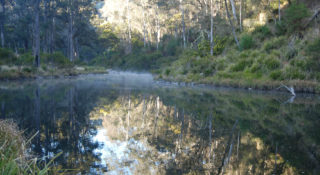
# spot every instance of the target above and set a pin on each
(126, 123)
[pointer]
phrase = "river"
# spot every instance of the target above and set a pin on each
(128, 123)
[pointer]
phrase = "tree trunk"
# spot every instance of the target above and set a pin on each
(2, 22)
(183, 25)
(234, 10)
(279, 10)
(70, 32)
(158, 27)
(211, 31)
(144, 23)
(37, 34)
(240, 20)
(231, 23)
(129, 26)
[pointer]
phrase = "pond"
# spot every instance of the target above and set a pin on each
(127, 123)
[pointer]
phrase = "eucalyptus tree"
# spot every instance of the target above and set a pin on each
(2, 21)
(37, 32)
(231, 23)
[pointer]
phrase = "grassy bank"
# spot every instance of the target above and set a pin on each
(14, 155)
(29, 72)
(20, 66)
(268, 56)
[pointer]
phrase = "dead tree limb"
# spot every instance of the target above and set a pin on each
(290, 89)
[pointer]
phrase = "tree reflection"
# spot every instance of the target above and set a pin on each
(99, 127)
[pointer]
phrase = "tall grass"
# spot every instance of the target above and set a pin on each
(14, 155)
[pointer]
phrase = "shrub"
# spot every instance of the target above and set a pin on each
(241, 65)
(276, 75)
(59, 59)
(246, 42)
(26, 59)
(313, 49)
(281, 28)
(256, 67)
(294, 15)
(7, 56)
(274, 43)
(167, 72)
(272, 63)
(262, 32)
(294, 73)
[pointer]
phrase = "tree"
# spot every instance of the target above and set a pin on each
(211, 31)
(231, 24)
(2, 21)
(37, 33)
(183, 24)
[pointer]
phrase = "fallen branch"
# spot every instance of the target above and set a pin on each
(290, 89)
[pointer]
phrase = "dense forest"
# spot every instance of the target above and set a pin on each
(244, 43)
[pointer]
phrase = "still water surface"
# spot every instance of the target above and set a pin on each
(126, 123)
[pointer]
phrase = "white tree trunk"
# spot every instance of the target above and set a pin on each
(144, 24)
(183, 24)
(129, 26)
(240, 20)
(279, 10)
(70, 34)
(211, 27)
(231, 23)
(234, 10)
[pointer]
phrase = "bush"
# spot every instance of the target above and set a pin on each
(281, 28)
(313, 49)
(294, 15)
(274, 43)
(276, 75)
(294, 73)
(272, 63)
(7, 56)
(26, 59)
(246, 42)
(59, 59)
(241, 65)
(262, 32)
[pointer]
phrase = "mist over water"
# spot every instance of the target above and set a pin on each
(128, 123)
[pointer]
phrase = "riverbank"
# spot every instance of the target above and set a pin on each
(30, 72)
(300, 86)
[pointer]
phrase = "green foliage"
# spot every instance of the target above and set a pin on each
(171, 46)
(241, 65)
(294, 16)
(246, 42)
(26, 59)
(7, 56)
(274, 43)
(14, 158)
(276, 75)
(313, 49)
(58, 59)
(262, 32)
(219, 46)
(281, 28)
(294, 73)
(272, 63)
